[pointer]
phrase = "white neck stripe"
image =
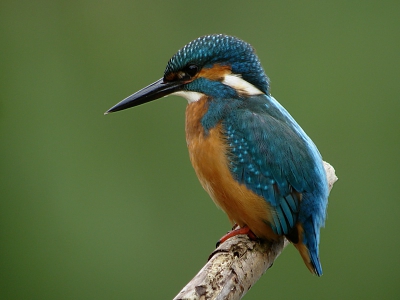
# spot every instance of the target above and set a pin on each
(241, 85)
(234, 81)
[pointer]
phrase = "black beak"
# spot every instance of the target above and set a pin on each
(151, 92)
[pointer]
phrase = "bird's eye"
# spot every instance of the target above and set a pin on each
(187, 72)
(191, 70)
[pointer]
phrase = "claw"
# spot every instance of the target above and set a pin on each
(243, 230)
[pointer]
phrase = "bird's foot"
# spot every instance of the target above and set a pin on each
(241, 230)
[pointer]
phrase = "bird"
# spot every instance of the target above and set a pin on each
(250, 155)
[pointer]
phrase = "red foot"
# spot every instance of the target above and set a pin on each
(234, 232)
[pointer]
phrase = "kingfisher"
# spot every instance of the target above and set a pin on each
(249, 154)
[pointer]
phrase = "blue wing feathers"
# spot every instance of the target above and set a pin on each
(293, 204)
(273, 157)
(277, 224)
(287, 212)
(271, 154)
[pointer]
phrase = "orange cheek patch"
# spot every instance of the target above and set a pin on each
(215, 73)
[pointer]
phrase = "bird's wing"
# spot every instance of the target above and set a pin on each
(272, 159)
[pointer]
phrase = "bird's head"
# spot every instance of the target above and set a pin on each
(218, 66)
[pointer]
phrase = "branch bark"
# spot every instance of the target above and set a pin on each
(236, 265)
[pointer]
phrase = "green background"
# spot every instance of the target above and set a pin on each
(108, 207)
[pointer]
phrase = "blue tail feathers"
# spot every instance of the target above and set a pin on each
(310, 239)
(316, 264)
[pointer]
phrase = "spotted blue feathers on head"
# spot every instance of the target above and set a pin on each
(224, 50)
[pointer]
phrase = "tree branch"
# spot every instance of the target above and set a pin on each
(237, 264)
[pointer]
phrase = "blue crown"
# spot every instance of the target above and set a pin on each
(225, 50)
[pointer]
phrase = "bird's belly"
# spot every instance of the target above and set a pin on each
(208, 154)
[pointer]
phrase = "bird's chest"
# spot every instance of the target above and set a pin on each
(207, 149)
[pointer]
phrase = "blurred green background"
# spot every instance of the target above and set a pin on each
(108, 207)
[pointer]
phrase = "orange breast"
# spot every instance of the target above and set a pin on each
(208, 154)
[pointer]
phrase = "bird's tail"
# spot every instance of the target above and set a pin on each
(308, 246)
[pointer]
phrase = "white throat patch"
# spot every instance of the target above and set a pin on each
(189, 96)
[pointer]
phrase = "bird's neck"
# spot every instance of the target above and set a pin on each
(218, 110)
(195, 112)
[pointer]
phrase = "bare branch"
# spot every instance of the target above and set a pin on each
(237, 264)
